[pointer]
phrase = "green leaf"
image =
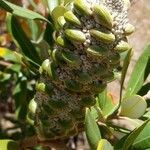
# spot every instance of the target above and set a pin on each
(15, 67)
(102, 99)
(143, 139)
(21, 96)
(104, 145)
(119, 144)
(10, 55)
(106, 103)
(20, 11)
(124, 70)
(8, 145)
(126, 63)
(5, 6)
(133, 106)
(139, 73)
(43, 48)
(32, 3)
(34, 29)
(94, 112)
(48, 34)
(92, 131)
(22, 40)
(131, 138)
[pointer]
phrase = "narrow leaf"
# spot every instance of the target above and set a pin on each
(139, 73)
(143, 140)
(124, 70)
(19, 35)
(126, 63)
(92, 131)
(21, 12)
(48, 34)
(21, 99)
(34, 29)
(5, 6)
(131, 138)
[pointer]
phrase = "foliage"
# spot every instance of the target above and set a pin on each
(108, 124)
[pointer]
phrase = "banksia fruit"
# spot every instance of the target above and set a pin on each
(91, 35)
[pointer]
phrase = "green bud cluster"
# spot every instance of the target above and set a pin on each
(88, 44)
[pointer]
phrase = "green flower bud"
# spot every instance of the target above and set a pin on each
(75, 35)
(97, 87)
(128, 29)
(52, 73)
(71, 58)
(40, 87)
(88, 101)
(48, 110)
(96, 50)
(66, 123)
(56, 56)
(108, 77)
(71, 18)
(106, 37)
(114, 58)
(99, 70)
(32, 110)
(43, 115)
(73, 86)
(122, 46)
(103, 16)
(81, 7)
(57, 103)
(78, 114)
(84, 77)
(58, 131)
(62, 41)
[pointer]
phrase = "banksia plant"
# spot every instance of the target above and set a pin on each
(80, 48)
(90, 38)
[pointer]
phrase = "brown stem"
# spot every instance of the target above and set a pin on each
(108, 133)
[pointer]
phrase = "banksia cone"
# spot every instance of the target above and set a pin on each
(91, 35)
